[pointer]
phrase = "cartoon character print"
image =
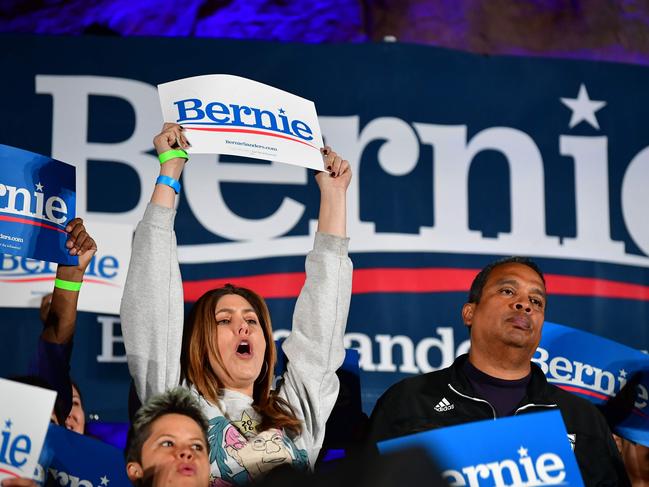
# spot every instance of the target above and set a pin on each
(241, 458)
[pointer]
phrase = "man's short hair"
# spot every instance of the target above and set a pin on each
(175, 401)
(475, 294)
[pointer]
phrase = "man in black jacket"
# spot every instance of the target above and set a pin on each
(505, 314)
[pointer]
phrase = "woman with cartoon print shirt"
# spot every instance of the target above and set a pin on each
(226, 353)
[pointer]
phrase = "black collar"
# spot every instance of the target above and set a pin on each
(538, 389)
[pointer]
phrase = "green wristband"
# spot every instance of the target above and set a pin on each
(172, 154)
(67, 285)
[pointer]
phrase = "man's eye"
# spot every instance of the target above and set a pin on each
(537, 302)
(198, 447)
(507, 291)
(167, 443)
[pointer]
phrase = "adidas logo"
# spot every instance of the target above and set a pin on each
(444, 405)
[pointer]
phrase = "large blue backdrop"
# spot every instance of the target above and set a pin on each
(458, 159)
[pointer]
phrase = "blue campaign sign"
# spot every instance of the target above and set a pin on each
(532, 449)
(602, 371)
(78, 460)
(37, 199)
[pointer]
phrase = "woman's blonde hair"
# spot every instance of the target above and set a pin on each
(200, 346)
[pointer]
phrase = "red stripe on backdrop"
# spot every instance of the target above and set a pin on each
(422, 280)
(588, 286)
(280, 285)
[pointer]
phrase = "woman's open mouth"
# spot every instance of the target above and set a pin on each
(244, 349)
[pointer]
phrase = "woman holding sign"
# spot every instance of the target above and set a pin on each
(228, 353)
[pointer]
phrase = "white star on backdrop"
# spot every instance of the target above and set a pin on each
(522, 452)
(623, 373)
(39, 187)
(104, 480)
(583, 108)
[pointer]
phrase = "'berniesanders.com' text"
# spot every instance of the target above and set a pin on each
(253, 146)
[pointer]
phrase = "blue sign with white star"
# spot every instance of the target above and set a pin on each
(613, 376)
(531, 449)
(37, 199)
(92, 462)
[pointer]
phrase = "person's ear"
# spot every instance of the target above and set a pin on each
(467, 313)
(134, 471)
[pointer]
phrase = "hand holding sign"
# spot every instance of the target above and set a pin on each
(79, 243)
(171, 137)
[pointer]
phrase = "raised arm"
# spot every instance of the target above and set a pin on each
(171, 138)
(52, 359)
(62, 316)
(152, 304)
(315, 346)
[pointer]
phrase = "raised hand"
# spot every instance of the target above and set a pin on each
(339, 171)
(80, 243)
(333, 193)
(171, 137)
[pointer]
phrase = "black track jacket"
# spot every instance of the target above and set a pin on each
(409, 406)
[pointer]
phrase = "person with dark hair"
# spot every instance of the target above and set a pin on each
(167, 442)
(505, 313)
(58, 312)
(226, 353)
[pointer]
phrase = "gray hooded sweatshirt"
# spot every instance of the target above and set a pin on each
(152, 325)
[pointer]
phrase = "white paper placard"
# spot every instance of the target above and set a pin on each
(23, 282)
(24, 417)
(224, 114)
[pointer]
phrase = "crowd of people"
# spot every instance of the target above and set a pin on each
(212, 412)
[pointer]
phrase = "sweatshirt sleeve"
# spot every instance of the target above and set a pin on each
(152, 305)
(314, 348)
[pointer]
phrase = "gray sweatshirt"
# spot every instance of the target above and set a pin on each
(152, 325)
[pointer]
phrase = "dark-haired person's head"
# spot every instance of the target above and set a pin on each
(76, 419)
(167, 443)
(475, 293)
(506, 306)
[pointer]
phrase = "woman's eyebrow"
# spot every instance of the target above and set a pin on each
(231, 310)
